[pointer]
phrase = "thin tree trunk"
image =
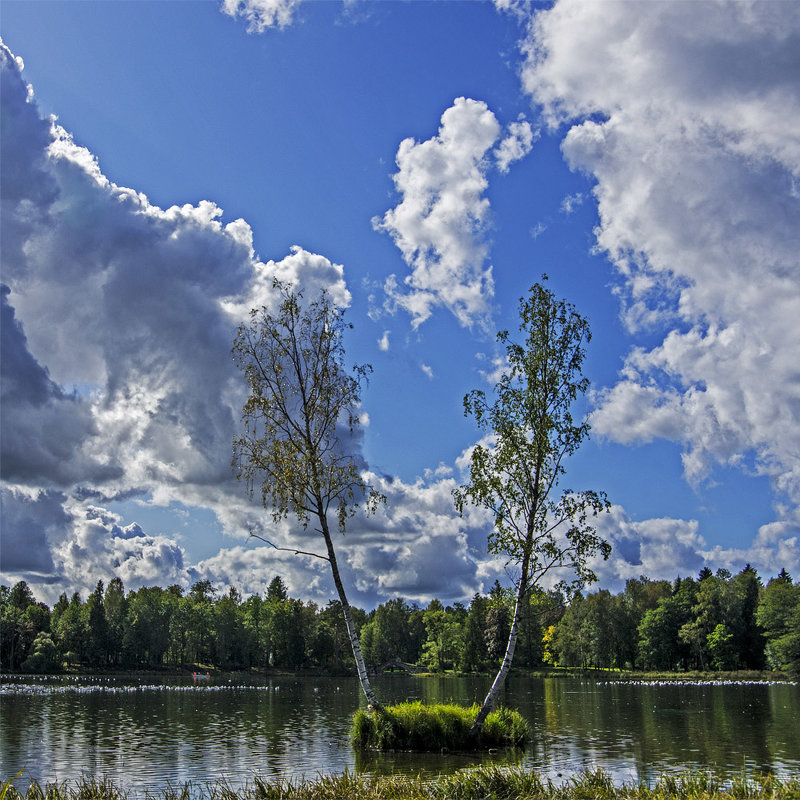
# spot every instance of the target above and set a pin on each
(490, 701)
(361, 667)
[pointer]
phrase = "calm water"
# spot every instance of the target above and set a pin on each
(144, 735)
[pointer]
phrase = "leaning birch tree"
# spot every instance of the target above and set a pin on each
(302, 408)
(530, 432)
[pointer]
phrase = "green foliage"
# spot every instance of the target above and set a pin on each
(644, 627)
(482, 783)
(277, 591)
(530, 434)
(660, 645)
(44, 655)
(445, 639)
(21, 620)
(418, 727)
(496, 630)
(300, 397)
(292, 447)
(474, 655)
(778, 615)
(394, 630)
(721, 647)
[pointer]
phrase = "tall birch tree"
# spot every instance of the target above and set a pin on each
(515, 472)
(301, 413)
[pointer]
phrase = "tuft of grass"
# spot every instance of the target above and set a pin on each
(420, 728)
(84, 789)
(482, 783)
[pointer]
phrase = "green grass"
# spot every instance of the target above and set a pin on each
(418, 727)
(483, 783)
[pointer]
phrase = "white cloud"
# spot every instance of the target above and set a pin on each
(250, 569)
(496, 368)
(666, 548)
(516, 145)
(309, 273)
(427, 369)
(402, 550)
(537, 230)
(383, 342)
(262, 14)
(687, 116)
(517, 8)
(571, 202)
(137, 306)
(441, 222)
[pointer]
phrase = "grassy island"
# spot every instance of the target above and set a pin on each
(419, 727)
(483, 783)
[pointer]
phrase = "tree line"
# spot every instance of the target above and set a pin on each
(715, 621)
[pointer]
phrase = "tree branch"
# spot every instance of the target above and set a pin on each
(288, 549)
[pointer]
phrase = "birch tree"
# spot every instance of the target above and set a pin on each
(301, 412)
(515, 472)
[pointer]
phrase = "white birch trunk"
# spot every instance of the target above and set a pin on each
(361, 667)
(490, 701)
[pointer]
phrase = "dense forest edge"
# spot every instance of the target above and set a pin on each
(711, 624)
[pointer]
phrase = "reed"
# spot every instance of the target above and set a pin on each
(482, 783)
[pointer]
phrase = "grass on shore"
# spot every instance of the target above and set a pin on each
(419, 727)
(483, 783)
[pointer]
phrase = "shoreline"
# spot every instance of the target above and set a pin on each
(482, 783)
(600, 675)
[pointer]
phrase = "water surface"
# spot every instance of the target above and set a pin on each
(145, 734)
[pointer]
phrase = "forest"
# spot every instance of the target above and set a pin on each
(711, 622)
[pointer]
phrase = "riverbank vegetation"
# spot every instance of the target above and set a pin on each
(702, 624)
(483, 783)
(440, 727)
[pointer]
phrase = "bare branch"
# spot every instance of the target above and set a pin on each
(288, 549)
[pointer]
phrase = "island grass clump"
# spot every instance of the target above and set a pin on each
(430, 728)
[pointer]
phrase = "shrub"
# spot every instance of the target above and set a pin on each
(418, 727)
(44, 655)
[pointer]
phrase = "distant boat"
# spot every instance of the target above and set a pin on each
(198, 676)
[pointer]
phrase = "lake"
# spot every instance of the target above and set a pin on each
(144, 734)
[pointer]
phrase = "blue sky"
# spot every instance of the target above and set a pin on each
(426, 162)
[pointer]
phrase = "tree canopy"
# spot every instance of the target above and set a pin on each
(531, 432)
(301, 414)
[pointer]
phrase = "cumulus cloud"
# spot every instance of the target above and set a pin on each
(664, 548)
(516, 145)
(250, 569)
(97, 544)
(32, 520)
(309, 273)
(117, 323)
(442, 220)
(44, 432)
(398, 551)
(262, 14)
(687, 116)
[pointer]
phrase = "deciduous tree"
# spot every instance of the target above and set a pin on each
(778, 615)
(302, 409)
(516, 471)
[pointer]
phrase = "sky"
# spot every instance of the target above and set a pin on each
(426, 163)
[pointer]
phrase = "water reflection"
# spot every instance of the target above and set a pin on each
(144, 735)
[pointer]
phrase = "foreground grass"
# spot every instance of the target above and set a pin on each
(484, 783)
(420, 727)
